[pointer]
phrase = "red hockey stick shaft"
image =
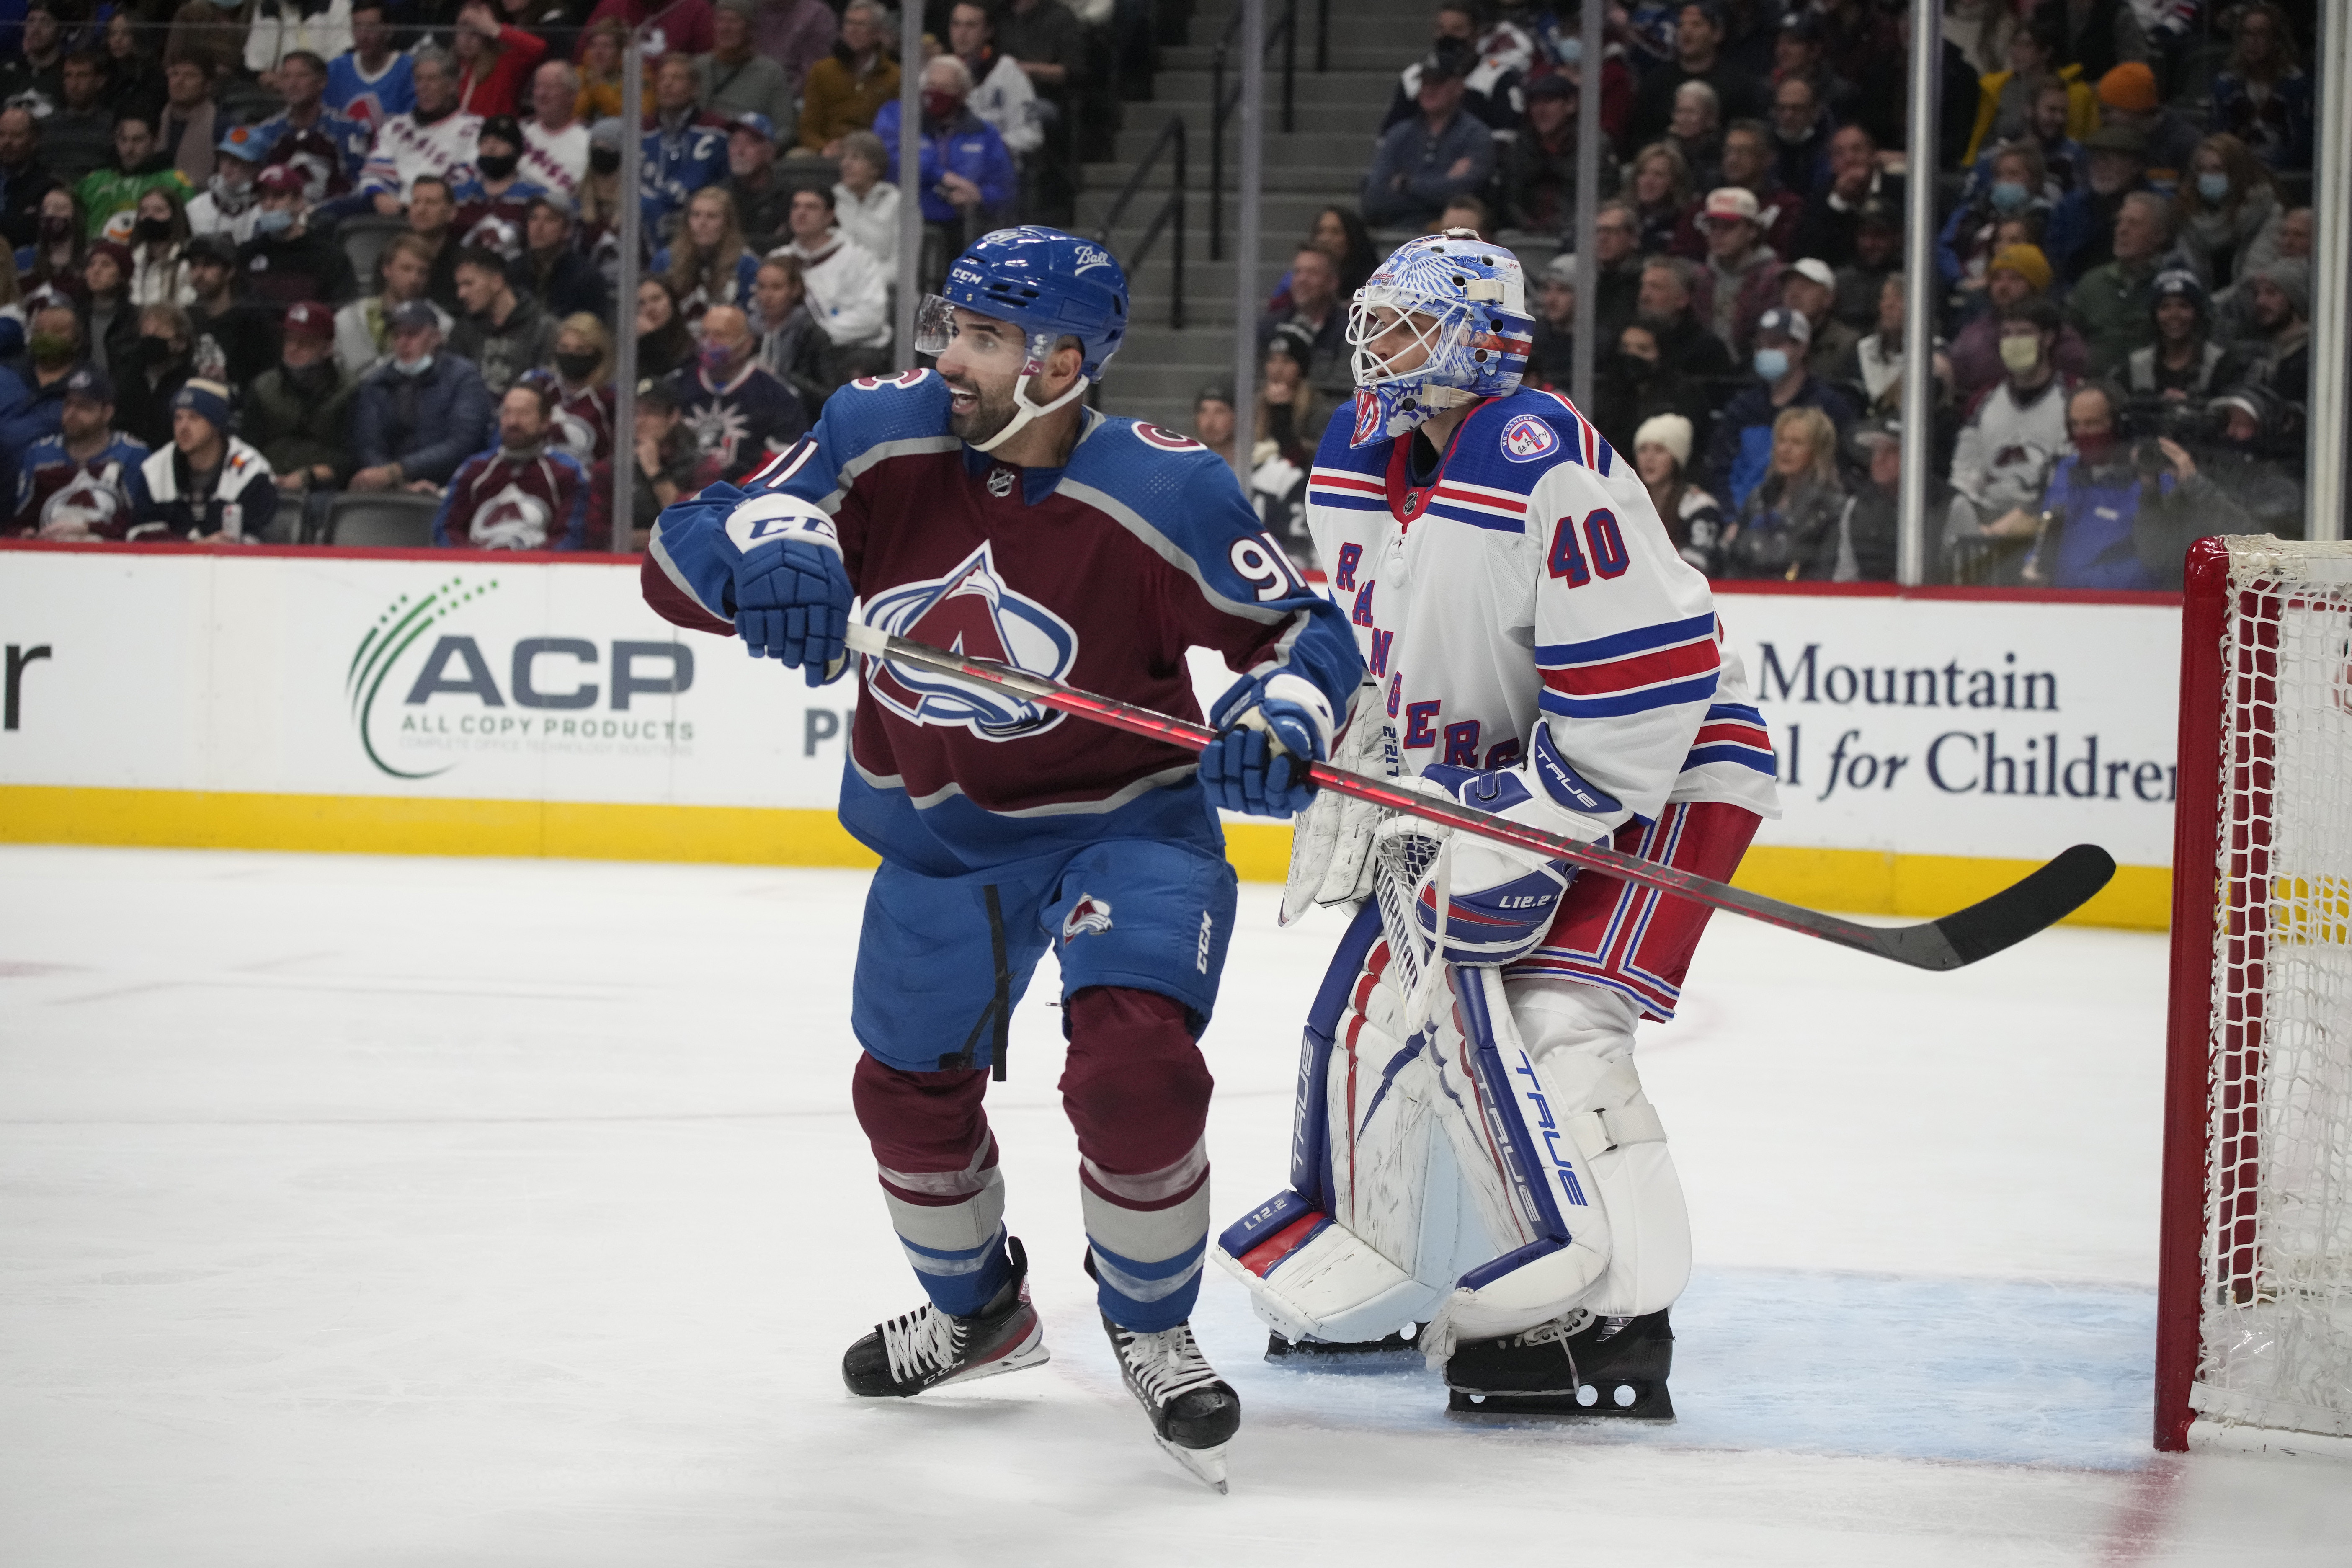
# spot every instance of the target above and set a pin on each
(2045, 896)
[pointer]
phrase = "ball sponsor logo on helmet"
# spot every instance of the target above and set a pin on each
(1090, 257)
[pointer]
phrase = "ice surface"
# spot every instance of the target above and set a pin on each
(364, 1211)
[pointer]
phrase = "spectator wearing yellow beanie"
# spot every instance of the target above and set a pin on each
(2016, 274)
(2128, 96)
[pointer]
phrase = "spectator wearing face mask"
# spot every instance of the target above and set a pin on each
(523, 493)
(202, 483)
(159, 238)
(286, 260)
(740, 414)
(1637, 382)
(493, 199)
(297, 413)
(1969, 239)
(1740, 452)
(421, 412)
(2017, 274)
(160, 363)
(230, 201)
(2227, 215)
(2013, 436)
(1493, 70)
(139, 166)
(580, 388)
(967, 176)
(1424, 162)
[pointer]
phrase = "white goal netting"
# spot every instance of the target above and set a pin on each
(2275, 1305)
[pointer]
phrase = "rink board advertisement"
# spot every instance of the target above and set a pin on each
(1930, 746)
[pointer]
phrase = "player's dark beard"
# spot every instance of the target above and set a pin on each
(992, 414)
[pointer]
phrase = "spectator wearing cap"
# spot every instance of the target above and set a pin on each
(287, 260)
(421, 412)
(687, 149)
(328, 146)
(493, 60)
(1800, 54)
(847, 292)
(1747, 165)
(1424, 162)
(1551, 353)
(363, 327)
(139, 165)
(709, 265)
(1809, 288)
(1001, 92)
(1699, 57)
(76, 483)
(1854, 181)
(967, 178)
(1538, 172)
(2280, 356)
(437, 138)
(235, 341)
(503, 332)
(846, 89)
(669, 466)
(493, 198)
(2081, 224)
(1860, 547)
(525, 493)
(2255, 458)
(865, 202)
(763, 202)
(202, 483)
(77, 135)
(1492, 91)
(2017, 274)
(1212, 417)
(735, 79)
(555, 140)
(740, 414)
(550, 267)
(371, 81)
(1739, 452)
(2228, 215)
(24, 178)
(1742, 272)
(1693, 519)
(2261, 95)
(1877, 255)
(113, 319)
(2110, 305)
(2128, 97)
(297, 413)
(1318, 312)
(230, 201)
(2183, 367)
(2014, 433)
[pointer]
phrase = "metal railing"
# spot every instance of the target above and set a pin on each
(1222, 103)
(1170, 211)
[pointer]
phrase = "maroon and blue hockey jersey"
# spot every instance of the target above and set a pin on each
(515, 500)
(1102, 574)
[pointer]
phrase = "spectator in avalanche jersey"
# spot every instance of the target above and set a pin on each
(493, 60)
(372, 82)
(581, 386)
(76, 484)
(434, 138)
(521, 494)
(327, 146)
(206, 484)
(740, 414)
(494, 199)
(285, 260)
(687, 149)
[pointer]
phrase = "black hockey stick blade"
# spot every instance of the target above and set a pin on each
(2045, 896)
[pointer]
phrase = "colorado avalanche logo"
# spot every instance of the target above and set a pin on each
(1088, 914)
(513, 518)
(970, 611)
(1526, 439)
(1166, 440)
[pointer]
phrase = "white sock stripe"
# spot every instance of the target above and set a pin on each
(1139, 1290)
(950, 1183)
(1152, 1186)
(948, 1227)
(1147, 1235)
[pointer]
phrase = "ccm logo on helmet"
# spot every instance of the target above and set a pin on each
(1526, 437)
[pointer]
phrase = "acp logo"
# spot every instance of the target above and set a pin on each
(413, 655)
(970, 611)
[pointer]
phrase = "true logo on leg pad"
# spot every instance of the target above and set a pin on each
(1088, 914)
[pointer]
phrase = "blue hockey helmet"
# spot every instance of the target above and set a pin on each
(1049, 284)
(1460, 300)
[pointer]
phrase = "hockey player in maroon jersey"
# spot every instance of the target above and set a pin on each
(521, 494)
(983, 506)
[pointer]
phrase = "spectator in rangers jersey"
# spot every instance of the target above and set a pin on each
(235, 341)
(328, 146)
(230, 201)
(739, 413)
(763, 202)
(204, 483)
(372, 81)
(582, 387)
(421, 413)
(1001, 92)
(76, 484)
(493, 198)
(551, 268)
(434, 138)
(139, 166)
(555, 142)
(286, 259)
(504, 333)
(363, 327)
(864, 203)
(493, 60)
(523, 494)
(297, 413)
(734, 79)
(708, 264)
(846, 290)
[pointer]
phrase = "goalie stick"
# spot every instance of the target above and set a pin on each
(2046, 895)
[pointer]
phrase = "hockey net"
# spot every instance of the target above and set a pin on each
(2256, 1304)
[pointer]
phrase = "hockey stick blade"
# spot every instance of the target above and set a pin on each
(2045, 896)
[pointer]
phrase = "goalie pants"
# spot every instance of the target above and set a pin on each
(1139, 928)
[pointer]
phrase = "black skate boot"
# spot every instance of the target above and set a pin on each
(1195, 1413)
(1575, 1365)
(929, 1349)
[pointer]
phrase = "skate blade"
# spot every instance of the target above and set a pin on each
(1208, 1464)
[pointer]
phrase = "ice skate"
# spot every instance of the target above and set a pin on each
(1195, 1413)
(1573, 1365)
(927, 1349)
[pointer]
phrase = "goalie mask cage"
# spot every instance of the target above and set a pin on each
(2254, 1304)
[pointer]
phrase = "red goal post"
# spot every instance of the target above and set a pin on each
(2254, 1282)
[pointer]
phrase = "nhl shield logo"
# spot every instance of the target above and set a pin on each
(1526, 439)
(999, 482)
(1088, 914)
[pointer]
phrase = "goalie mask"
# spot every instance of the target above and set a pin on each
(1443, 321)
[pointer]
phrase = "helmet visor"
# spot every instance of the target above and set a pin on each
(934, 326)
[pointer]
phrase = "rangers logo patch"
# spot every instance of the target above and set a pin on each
(1088, 914)
(1526, 439)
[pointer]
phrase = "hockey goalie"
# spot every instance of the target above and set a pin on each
(1476, 1168)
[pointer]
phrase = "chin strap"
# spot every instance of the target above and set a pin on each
(1024, 410)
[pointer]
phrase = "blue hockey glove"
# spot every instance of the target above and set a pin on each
(1499, 900)
(792, 603)
(1244, 770)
